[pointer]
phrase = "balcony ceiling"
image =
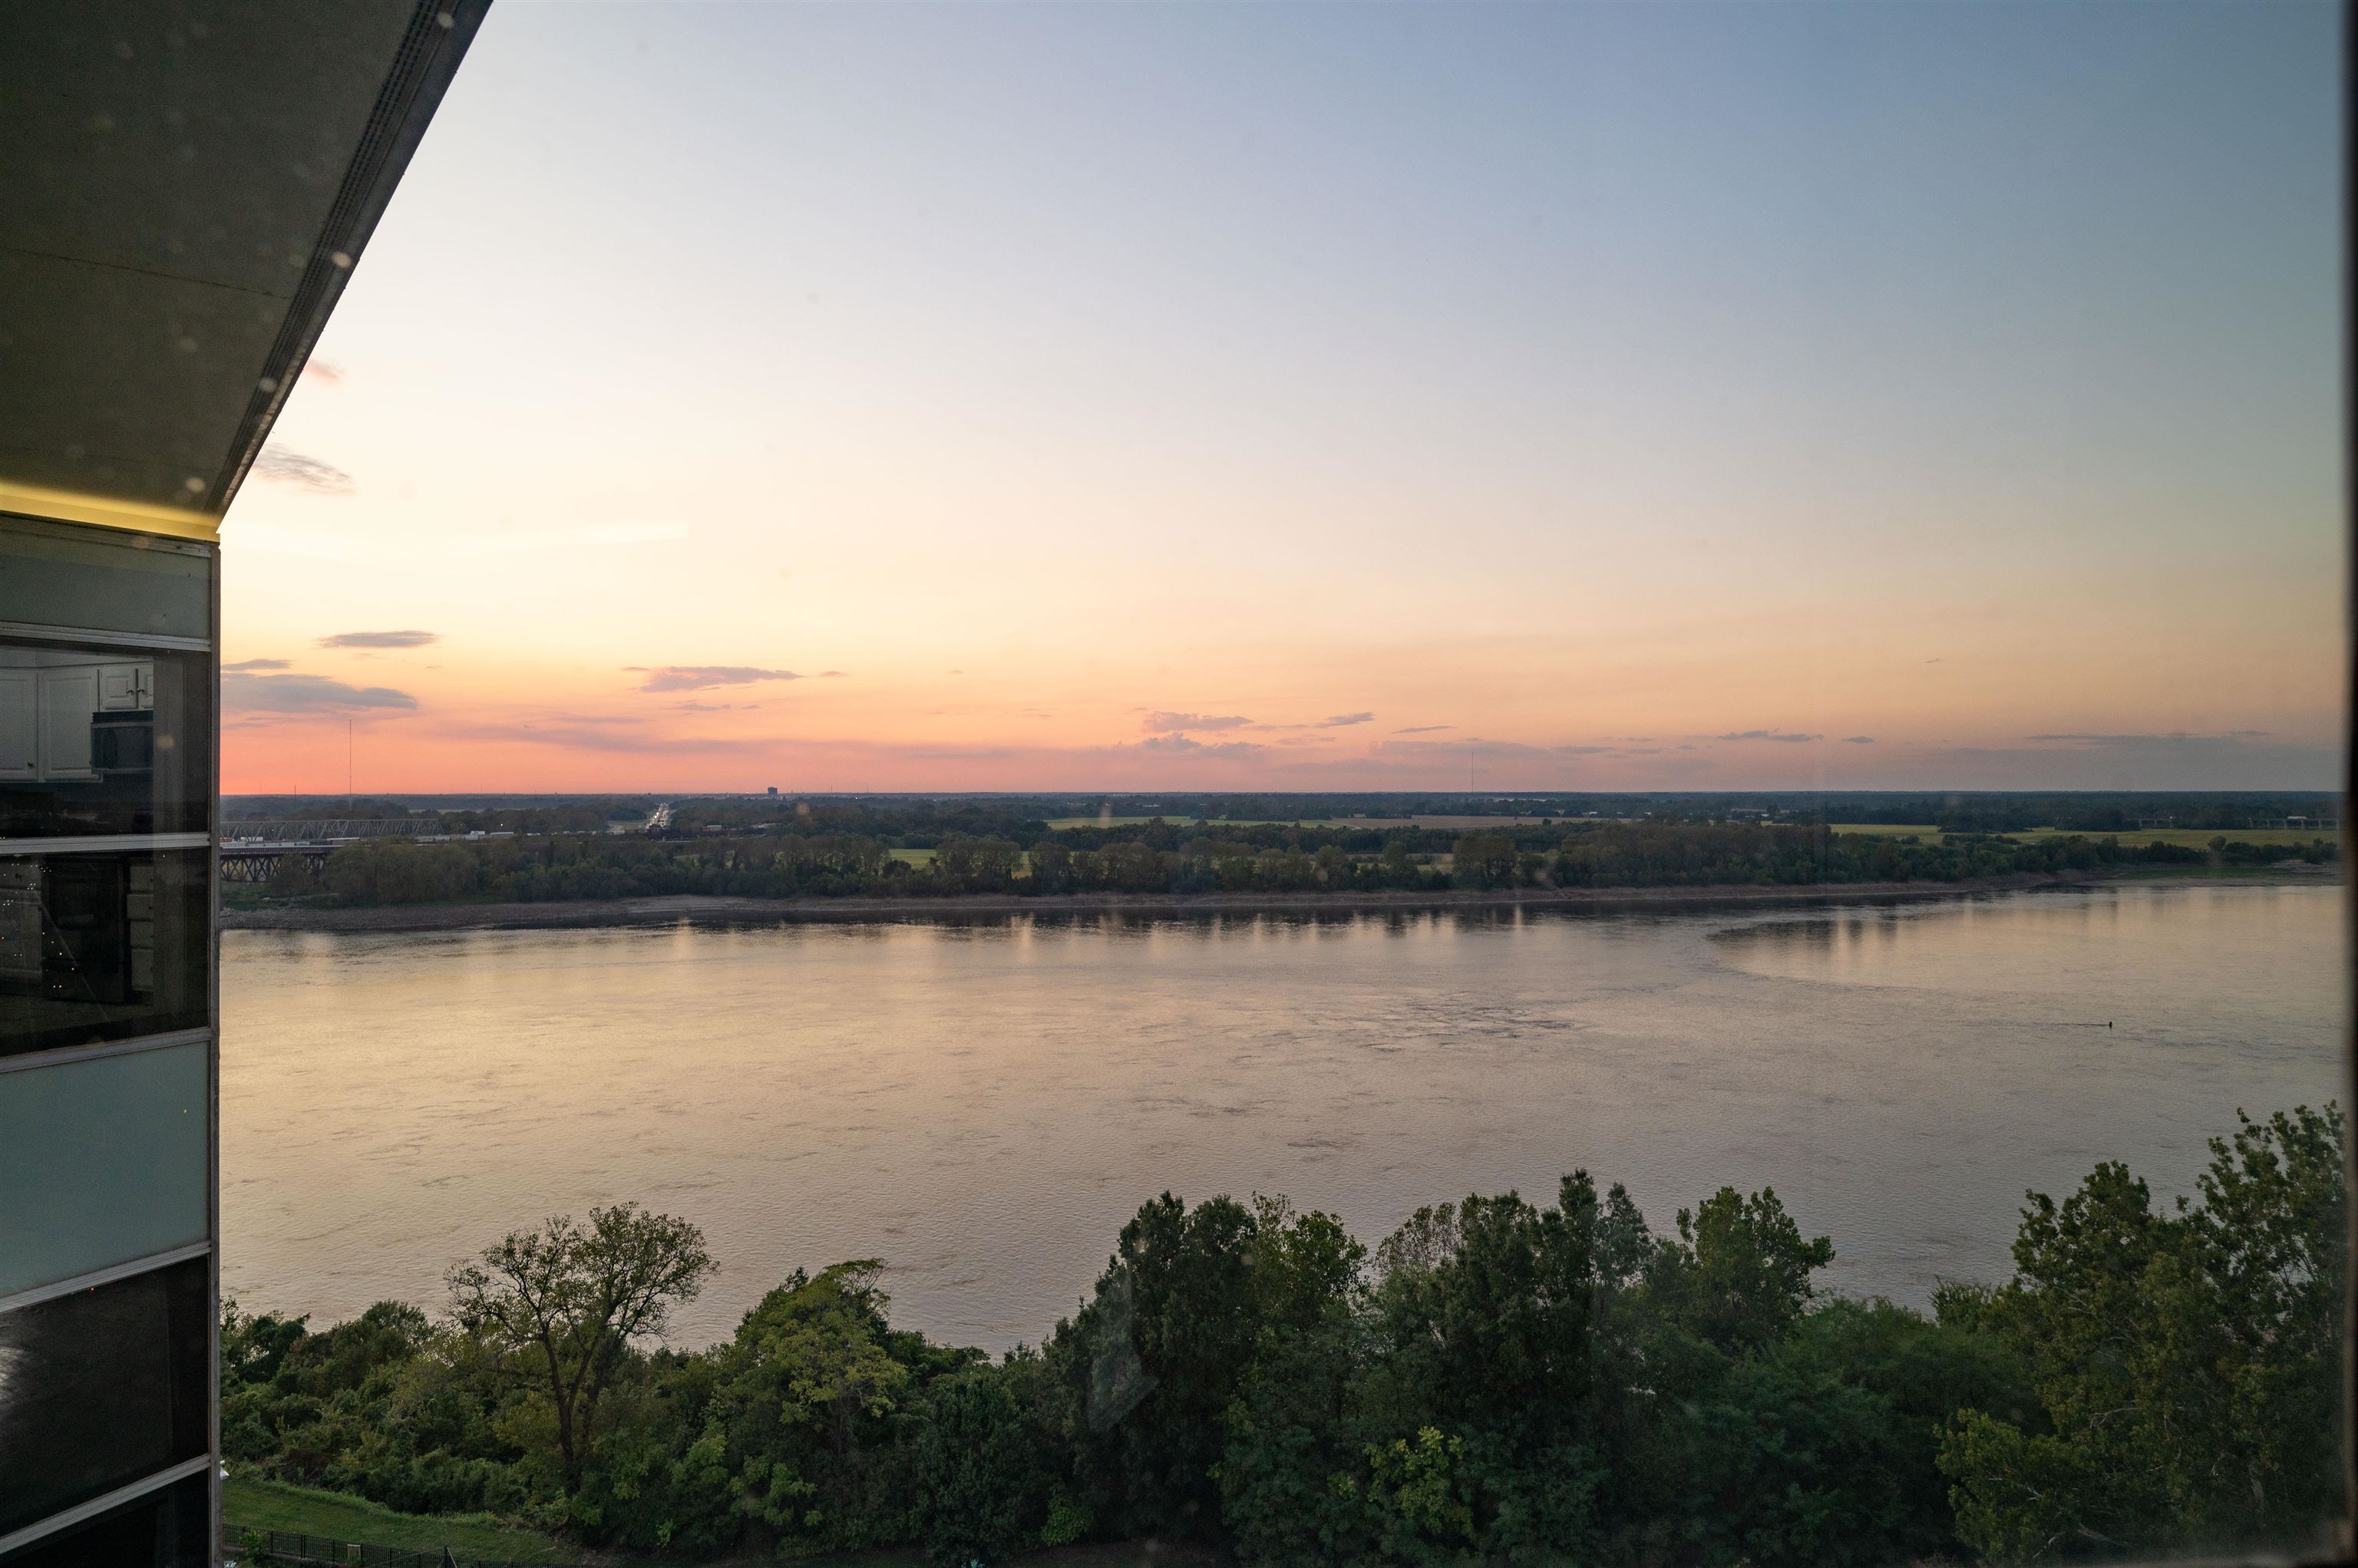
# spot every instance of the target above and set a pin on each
(184, 187)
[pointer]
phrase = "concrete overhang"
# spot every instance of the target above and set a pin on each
(185, 186)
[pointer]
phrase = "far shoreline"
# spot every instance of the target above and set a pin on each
(698, 909)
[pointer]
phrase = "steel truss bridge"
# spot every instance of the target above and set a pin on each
(250, 851)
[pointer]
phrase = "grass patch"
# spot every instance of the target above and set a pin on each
(249, 1503)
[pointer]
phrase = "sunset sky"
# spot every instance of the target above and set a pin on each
(1021, 396)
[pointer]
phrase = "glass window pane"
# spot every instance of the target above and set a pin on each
(100, 1163)
(100, 1389)
(167, 1529)
(103, 945)
(96, 739)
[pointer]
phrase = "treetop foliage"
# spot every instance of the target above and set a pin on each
(1498, 1380)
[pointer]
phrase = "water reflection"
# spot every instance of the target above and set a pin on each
(982, 1102)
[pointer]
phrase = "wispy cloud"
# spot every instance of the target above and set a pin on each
(381, 640)
(1202, 747)
(1339, 720)
(1162, 723)
(2175, 738)
(830, 674)
(1858, 740)
(696, 678)
(282, 467)
(1423, 728)
(600, 737)
(1787, 735)
(295, 694)
(245, 665)
(692, 706)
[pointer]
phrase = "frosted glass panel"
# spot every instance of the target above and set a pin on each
(100, 1163)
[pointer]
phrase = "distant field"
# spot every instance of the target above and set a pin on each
(2188, 837)
(1889, 829)
(913, 856)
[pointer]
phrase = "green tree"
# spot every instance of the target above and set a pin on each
(292, 876)
(1738, 1275)
(1485, 860)
(1150, 1364)
(815, 1393)
(2183, 1360)
(573, 1298)
(985, 1477)
(1052, 867)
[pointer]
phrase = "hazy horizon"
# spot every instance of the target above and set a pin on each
(946, 399)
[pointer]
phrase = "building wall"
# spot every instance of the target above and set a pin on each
(109, 1060)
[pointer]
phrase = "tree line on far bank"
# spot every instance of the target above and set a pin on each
(1499, 1381)
(1163, 858)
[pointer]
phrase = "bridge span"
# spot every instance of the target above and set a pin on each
(250, 851)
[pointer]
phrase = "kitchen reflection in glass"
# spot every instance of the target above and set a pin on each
(104, 741)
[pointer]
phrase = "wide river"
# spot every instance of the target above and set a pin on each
(981, 1105)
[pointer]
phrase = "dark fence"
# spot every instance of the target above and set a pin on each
(293, 1546)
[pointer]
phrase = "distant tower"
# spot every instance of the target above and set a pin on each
(774, 790)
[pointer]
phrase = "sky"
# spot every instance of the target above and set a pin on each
(1022, 397)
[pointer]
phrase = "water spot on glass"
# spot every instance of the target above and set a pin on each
(268, 383)
(192, 485)
(197, 30)
(188, 345)
(444, 20)
(343, 261)
(164, 743)
(101, 121)
(123, 49)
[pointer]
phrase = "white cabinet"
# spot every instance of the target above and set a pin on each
(20, 724)
(120, 688)
(45, 715)
(69, 697)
